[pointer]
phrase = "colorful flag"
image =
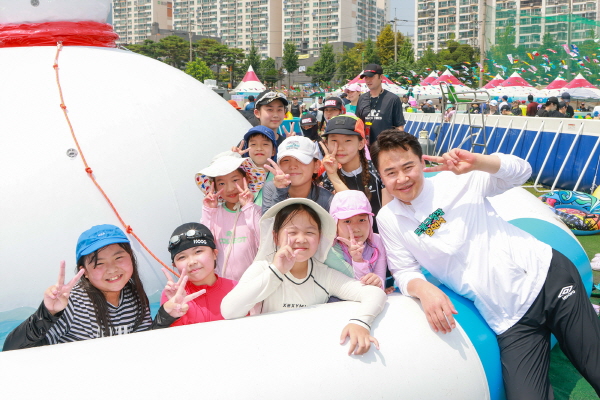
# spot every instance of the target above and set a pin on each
(530, 55)
(586, 58)
(575, 48)
(510, 58)
(566, 47)
(553, 51)
(535, 53)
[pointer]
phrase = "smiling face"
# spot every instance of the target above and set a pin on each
(358, 224)
(199, 262)
(347, 147)
(402, 173)
(300, 174)
(303, 234)
(111, 269)
(353, 96)
(261, 149)
(271, 115)
(228, 182)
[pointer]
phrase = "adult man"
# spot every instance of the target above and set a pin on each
(492, 109)
(504, 102)
(314, 108)
(523, 288)
(505, 110)
(532, 107)
(566, 97)
(295, 108)
(249, 106)
(378, 108)
(552, 109)
(428, 107)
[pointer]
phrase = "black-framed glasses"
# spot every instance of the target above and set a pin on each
(271, 95)
(191, 234)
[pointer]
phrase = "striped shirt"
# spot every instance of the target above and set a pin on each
(78, 321)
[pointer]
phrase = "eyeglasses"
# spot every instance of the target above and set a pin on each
(271, 95)
(191, 234)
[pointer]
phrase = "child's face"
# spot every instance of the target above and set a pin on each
(261, 149)
(299, 173)
(271, 115)
(199, 262)
(112, 269)
(331, 112)
(303, 233)
(228, 182)
(358, 224)
(347, 146)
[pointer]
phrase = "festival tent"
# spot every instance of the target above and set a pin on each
(250, 84)
(587, 94)
(515, 80)
(555, 88)
(386, 83)
(515, 87)
(430, 79)
(494, 82)
(448, 78)
(579, 82)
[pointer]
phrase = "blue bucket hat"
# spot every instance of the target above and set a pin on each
(98, 237)
(263, 130)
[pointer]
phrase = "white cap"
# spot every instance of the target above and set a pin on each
(493, 103)
(429, 101)
(301, 148)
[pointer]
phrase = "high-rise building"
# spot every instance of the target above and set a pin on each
(267, 23)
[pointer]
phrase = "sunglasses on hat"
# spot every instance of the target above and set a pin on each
(191, 234)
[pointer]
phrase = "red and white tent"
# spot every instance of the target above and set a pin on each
(515, 80)
(250, 83)
(494, 82)
(430, 79)
(448, 78)
(579, 82)
(558, 83)
(385, 83)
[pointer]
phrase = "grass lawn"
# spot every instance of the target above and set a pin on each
(566, 381)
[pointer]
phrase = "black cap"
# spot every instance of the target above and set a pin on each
(565, 96)
(307, 120)
(562, 104)
(345, 125)
(505, 97)
(372, 69)
(332, 102)
(190, 235)
(552, 100)
(505, 108)
(268, 96)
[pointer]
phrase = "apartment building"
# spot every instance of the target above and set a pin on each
(267, 23)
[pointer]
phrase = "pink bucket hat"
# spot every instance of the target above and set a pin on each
(353, 87)
(349, 203)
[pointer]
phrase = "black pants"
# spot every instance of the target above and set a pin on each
(562, 308)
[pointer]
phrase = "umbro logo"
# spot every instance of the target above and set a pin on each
(566, 292)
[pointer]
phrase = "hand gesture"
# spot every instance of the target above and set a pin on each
(171, 287)
(457, 161)
(329, 161)
(280, 180)
(371, 279)
(355, 248)
(291, 132)
(56, 297)
(286, 256)
(239, 147)
(177, 306)
(360, 339)
(211, 200)
(438, 308)
(246, 195)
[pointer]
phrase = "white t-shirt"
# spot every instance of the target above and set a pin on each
(262, 282)
(454, 232)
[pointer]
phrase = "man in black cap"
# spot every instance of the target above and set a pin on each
(505, 110)
(552, 109)
(378, 108)
(566, 97)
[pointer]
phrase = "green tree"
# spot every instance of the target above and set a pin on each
(253, 59)
(405, 51)
(199, 70)
(233, 59)
(174, 50)
(149, 49)
(290, 59)
(429, 59)
(460, 57)
(212, 53)
(349, 63)
(270, 73)
(370, 55)
(324, 68)
(400, 71)
(385, 45)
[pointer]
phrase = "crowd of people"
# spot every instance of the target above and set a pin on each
(339, 212)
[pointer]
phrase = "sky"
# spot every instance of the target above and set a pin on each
(404, 9)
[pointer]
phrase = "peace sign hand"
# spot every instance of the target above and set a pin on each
(329, 161)
(171, 287)
(177, 306)
(56, 297)
(457, 161)
(239, 147)
(291, 132)
(286, 256)
(211, 200)
(245, 195)
(280, 180)
(355, 248)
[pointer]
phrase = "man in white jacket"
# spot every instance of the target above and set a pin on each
(523, 288)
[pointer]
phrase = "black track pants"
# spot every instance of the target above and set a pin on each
(563, 309)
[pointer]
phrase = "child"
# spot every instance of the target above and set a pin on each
(229, 212)
(345, 139)
(194, 254)
(356, 244)
(105, 298)
(332, 107)
(294, 174)
(270, 111)
(289, 271)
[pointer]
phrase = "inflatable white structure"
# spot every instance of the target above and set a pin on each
(144, 127)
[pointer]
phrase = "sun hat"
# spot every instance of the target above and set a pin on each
(268, 247)
(97, 237)
(191, 234)
(353, 87)
(301, 148)
(348, 203)
(234, 104)
(371, 70)
(345, 125)
(223, 164)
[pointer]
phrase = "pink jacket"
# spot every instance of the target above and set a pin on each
(378, 266)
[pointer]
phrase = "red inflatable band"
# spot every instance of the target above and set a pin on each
(86, 33)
